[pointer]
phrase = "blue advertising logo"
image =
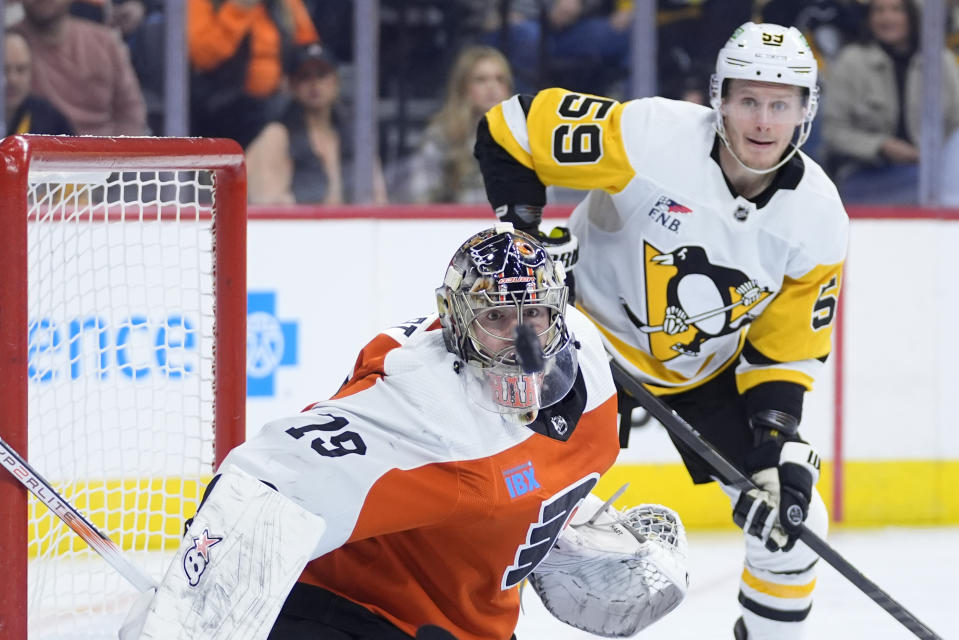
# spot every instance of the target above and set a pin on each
(270, 343)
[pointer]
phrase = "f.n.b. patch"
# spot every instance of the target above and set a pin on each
(666, 212)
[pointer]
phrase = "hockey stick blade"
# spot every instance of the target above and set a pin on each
(731, 476)
(99, 542)
(528, 350)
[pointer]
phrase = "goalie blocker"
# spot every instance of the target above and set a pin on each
(613, 574)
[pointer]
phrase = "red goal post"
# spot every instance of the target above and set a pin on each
(122, 354)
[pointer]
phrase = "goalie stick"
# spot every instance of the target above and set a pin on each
(98, 541)
(731, 476)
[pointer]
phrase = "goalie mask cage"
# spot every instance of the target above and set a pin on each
(122, 359)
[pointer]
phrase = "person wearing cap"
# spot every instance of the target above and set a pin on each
(304, 156)
(710, 252)
(239, 52)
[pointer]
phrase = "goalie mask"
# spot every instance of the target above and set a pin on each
(766, 53)
(497, 280)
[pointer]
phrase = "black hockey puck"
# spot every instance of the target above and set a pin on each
(528, 350)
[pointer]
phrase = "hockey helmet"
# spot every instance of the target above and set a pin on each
(497, 280)
(767, 53)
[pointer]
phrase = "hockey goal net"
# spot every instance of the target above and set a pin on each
(122, 366)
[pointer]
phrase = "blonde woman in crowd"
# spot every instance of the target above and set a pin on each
(444, 169)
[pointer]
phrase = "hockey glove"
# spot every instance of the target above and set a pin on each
(525, 217)
(563, 247)
(613, 573)
(755, 512)
(788, 469)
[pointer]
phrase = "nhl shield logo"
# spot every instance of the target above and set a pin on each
(559, 425)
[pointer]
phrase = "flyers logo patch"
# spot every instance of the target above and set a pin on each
(690, 300)
(542, 534)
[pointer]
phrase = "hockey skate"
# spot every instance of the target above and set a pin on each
(739, 630)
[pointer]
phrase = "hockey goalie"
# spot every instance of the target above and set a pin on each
(456, 463)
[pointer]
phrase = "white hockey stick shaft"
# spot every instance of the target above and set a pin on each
(99, 542)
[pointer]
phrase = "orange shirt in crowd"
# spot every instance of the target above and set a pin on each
(215, 34)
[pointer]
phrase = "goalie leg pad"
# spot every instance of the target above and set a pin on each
(234, 569)
(616, 574)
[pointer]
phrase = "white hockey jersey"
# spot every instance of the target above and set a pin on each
(681, 275)
(436, 508)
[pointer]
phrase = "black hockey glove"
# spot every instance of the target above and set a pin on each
(785, 468)
(525, 217)
(563, 247)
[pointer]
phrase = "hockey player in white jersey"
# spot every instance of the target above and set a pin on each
(710, 256)
(455, 457)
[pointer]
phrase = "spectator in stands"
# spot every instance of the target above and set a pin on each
(444, 169)
(304, 157)
(688, 36)
(83, 69)
(142, 26)
(240, 51)
(581, 44)
(872, 108)
(25, 112)
(828, 25)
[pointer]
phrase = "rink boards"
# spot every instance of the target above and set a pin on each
(332, 278)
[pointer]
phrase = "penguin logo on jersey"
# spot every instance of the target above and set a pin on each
(690, 300)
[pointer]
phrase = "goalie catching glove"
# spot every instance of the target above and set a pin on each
(613, 574)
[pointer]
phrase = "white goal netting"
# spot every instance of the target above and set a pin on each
(121, 395)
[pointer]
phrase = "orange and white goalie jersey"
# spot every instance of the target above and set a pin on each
(436, 508)
(680, 274)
